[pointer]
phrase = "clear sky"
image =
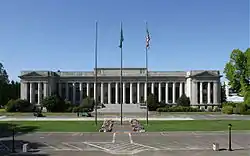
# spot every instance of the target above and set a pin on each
(60, 34)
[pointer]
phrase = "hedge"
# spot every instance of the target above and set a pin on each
(178, 109)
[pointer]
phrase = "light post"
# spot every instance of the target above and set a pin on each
(13, 138)
(229, 137)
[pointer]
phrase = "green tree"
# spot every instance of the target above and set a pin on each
(152, 102)
(237, 70)
(88, 103)
(54, 103)
(183, 101)
(223, 93)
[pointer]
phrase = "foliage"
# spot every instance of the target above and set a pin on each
(240, 108)
(18, 105)
(55, 103)
(183, 101)
(178, 109)
(237, 70)
(247, 98)
(8, 90)
(80, 109)
(152, 102)
(227, 109)
(223, 93)
(88, 103)
(233, 104)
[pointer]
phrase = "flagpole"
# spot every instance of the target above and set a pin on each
(146, 62)
(96, 31)
(121, 85)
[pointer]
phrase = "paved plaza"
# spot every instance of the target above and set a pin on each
(126, 143)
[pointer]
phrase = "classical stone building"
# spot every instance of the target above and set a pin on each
(203, 87)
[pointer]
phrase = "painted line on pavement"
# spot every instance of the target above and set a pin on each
(130, 138)
(105, 149)
(48, 145)
(5, 146)
(114, 134)
(67, 144)
(146, 146)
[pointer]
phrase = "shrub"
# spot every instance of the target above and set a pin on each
(10, 106)
(55, 103)
(88, 103)
(209, 108)
(240, 108)
(247, 98)
(216, 109)
(18, 105)
(80, 109)
(227, 109)
(246, 112)
(233, 104)
(152, 102)
(183, 101)
(178, 109)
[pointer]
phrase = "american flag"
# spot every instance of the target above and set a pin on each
(147, 39)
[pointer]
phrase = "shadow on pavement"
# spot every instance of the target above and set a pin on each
(6, 129)
(6, 148)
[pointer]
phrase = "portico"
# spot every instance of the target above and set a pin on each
(202, 87)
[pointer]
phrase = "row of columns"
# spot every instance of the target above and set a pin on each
(44, 89)
(123, 91)
(215, 90)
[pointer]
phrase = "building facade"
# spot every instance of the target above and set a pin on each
(202, 87)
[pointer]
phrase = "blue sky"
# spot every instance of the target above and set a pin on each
(60, 34)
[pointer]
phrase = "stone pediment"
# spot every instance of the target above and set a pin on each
(32, 74)
(206, 74)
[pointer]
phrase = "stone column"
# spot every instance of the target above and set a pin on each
(102, 96)
(67, 90)
(138, 92)
(215, 91)
(152, 88)
(31, 92)
(39, 90)
(194, 93)
(201, 93)
(109, 92)
(181, 89)
(209, 93)
(166, 93)
(81, 91)
(87, 88)
(173, 90)
(24, 90)
(74, 92)
(124, 92)
(45, 89)
(131, 92)
(116, 92)
(159, 88)
(60, 89)
(145, 92)
(95, 91)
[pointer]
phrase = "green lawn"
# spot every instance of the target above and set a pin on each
(53, 126)
(154, 126)
(31, 114)
(196, 125)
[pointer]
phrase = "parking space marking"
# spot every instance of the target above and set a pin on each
(146, 146)
(48, 145)
(5, 146)
(90, 144)
(130, 138)
(113, 141)
(74, 147)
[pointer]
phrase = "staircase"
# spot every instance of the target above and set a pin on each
(126, 108)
